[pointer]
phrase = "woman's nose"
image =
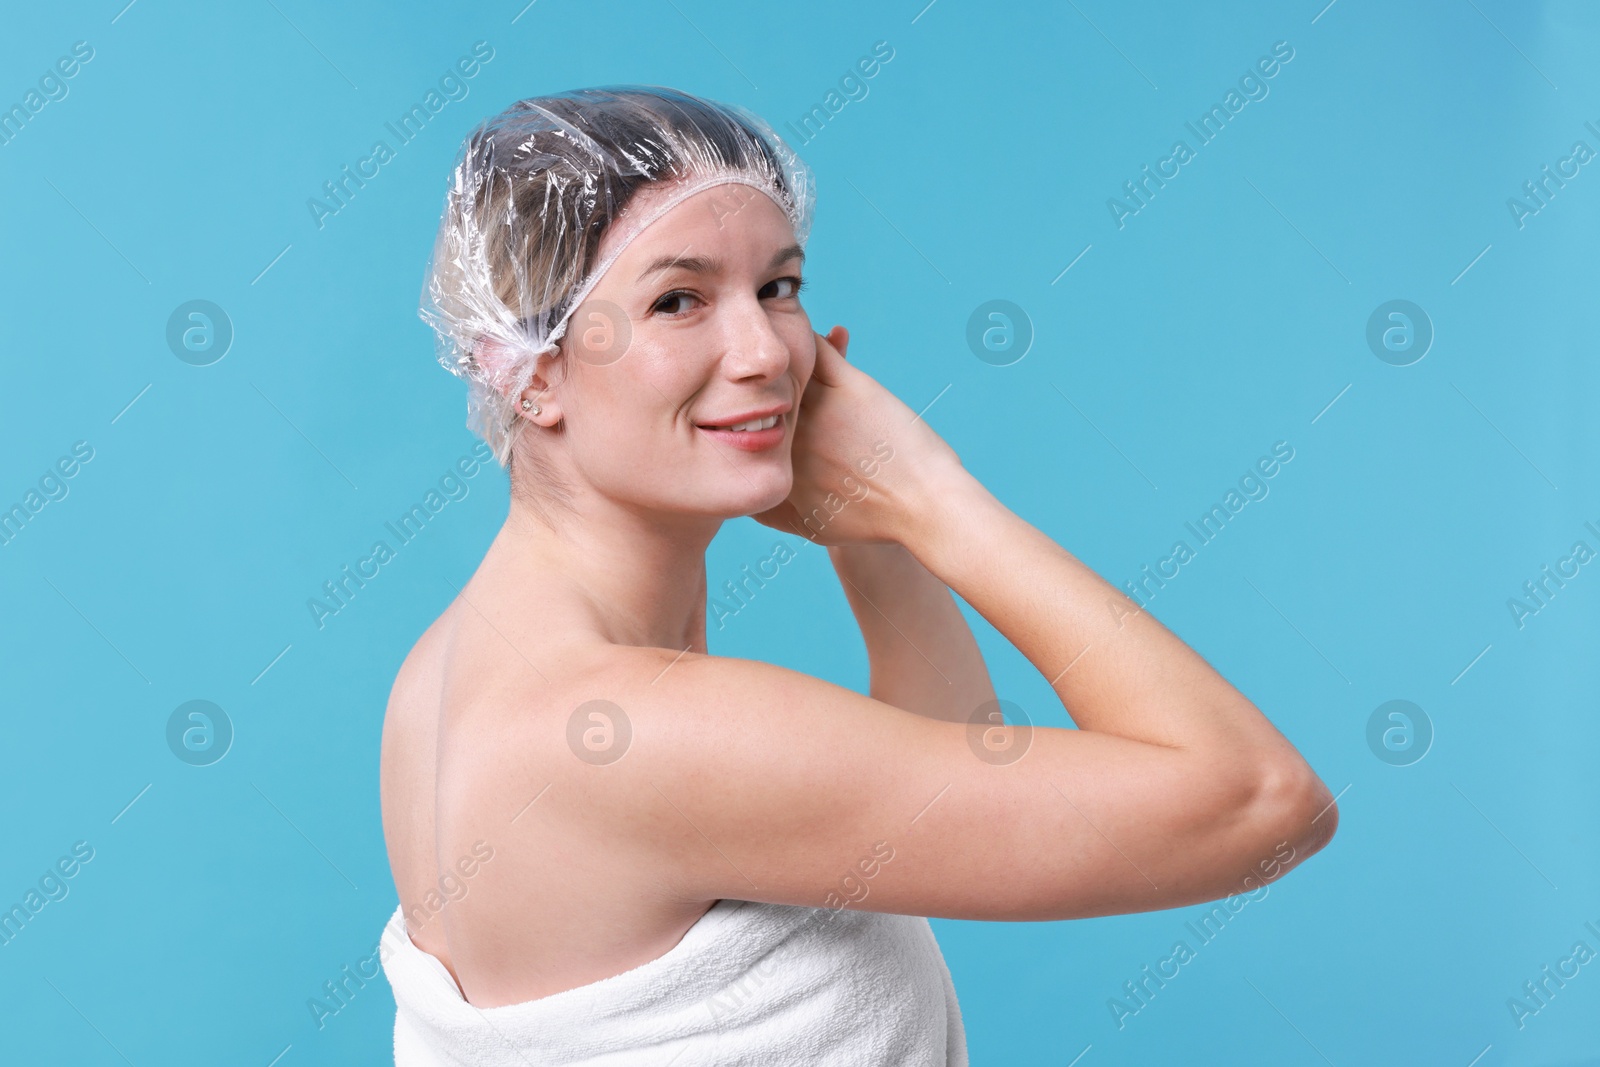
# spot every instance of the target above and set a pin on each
(754, 348)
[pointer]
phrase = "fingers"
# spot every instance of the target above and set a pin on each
(839, 337)
(826, 370)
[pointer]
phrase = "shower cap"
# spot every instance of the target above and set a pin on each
(532, 192)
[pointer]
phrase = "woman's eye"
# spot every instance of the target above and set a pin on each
(667, 301)
(675, 302)
(789, 286)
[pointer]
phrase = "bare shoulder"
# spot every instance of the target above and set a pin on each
(516, 727)
(422, 662)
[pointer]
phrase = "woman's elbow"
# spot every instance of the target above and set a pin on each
(1300, 808)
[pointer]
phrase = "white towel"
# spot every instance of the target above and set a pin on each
(751, 984)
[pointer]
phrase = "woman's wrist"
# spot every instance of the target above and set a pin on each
(941, 518)
(871, 562)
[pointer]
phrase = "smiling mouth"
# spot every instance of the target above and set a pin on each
(749, 425)
(750, 435)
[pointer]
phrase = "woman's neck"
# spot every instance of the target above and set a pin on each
(633, 578)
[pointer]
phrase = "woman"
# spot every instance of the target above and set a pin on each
(605, 839)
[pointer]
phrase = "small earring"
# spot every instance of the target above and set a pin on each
(529, 405)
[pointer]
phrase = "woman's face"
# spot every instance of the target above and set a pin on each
(696, 326)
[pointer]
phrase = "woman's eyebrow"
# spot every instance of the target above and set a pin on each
(694, 264)
(786, 254)
(708, 265)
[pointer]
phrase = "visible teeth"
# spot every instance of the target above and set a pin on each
(755, 424)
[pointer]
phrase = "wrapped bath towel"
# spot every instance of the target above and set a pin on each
(750, 984)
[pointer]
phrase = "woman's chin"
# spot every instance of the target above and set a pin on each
(741, 493)
(757, 503)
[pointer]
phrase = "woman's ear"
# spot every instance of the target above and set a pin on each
(539, 401)
(536, 401)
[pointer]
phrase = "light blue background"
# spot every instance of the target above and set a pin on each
(1228, 314)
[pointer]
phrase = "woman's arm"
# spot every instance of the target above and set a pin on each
(747, 780)
(750, 781)
(922, 653)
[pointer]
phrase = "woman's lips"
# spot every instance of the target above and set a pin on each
(749, 440)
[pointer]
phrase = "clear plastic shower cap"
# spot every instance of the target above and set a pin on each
(533, 191)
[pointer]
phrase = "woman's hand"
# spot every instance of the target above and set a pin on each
(864, 463)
